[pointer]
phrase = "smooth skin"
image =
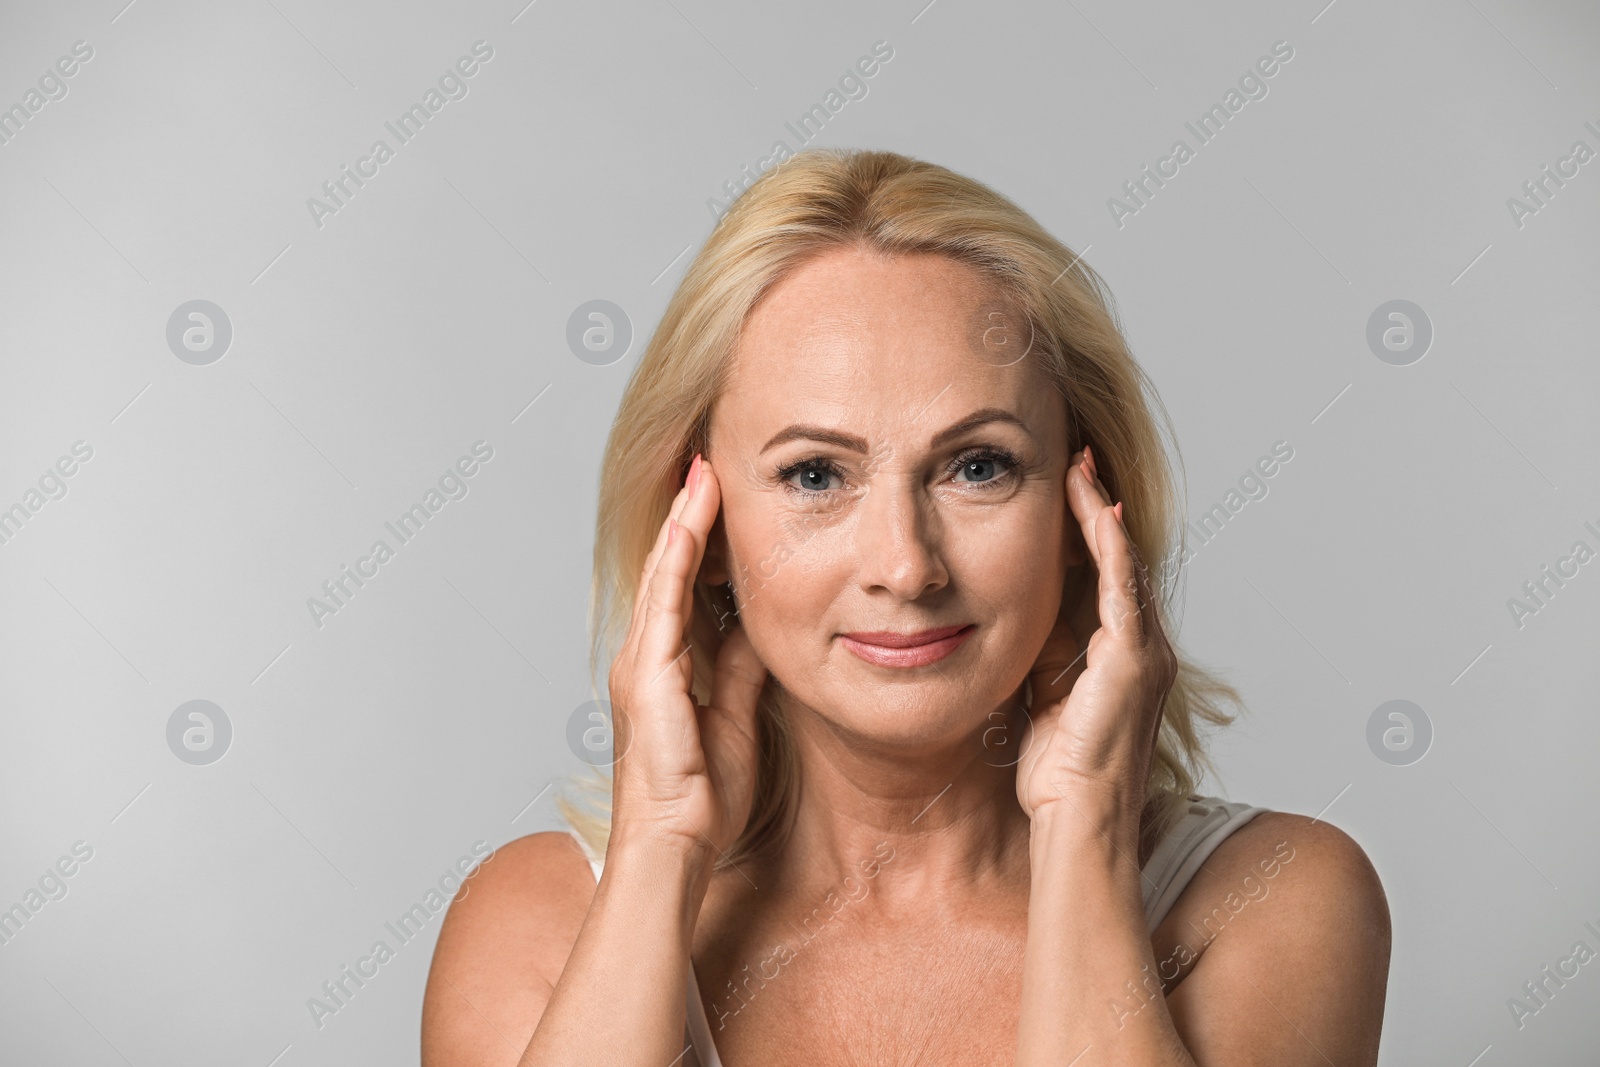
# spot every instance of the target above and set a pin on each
(1007, 925)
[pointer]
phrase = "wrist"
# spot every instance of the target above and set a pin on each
(1081, 869)
(656, 880)
(660, 856)
(1080, 820)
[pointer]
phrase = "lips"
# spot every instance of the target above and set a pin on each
(886, 648)
(891, 639)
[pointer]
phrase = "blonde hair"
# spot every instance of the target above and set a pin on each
(822, 199)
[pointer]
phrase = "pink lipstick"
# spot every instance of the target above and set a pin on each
(886, 648)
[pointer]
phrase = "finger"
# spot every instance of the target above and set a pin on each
(698, 515)
(1084, 459)
(1144, 584)
(661, 644)
(1092, 469)
(1149, 605)
(1149, 611)
(1087, 502)
(641, 598)
(1120, 613)
(636, 624)
(673, 513)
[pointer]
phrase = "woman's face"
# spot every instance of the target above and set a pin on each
(859, 494)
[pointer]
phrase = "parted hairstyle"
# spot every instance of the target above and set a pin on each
(822, 199)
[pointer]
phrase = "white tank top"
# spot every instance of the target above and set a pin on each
(1177, 856)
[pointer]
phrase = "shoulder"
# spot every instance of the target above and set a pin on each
(502, 947)
(1323, 881)
(1289, 920)
(1321, 866)
(1319, 850)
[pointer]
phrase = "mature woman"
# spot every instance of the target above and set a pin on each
(906, 755)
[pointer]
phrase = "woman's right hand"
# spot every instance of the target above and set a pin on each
(687, 773)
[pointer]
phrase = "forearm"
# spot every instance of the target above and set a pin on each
(620, 999)
(1089, 982)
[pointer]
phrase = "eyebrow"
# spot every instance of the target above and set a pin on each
(802, 432)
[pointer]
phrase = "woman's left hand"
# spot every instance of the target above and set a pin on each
(1101, 681)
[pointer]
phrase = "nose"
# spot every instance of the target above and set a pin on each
(898, 538)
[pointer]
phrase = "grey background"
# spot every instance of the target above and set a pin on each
(431, 312)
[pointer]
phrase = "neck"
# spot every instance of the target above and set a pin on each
(945, 810)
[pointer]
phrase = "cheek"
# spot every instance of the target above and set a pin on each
(1021, 574)
(785, 603)
(777, 569)
(1021, 555)
(758, 545)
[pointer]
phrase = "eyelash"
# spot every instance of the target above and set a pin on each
(971, 455)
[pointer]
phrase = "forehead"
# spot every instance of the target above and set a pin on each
(856, 339)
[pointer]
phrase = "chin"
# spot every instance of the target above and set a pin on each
(909, 715)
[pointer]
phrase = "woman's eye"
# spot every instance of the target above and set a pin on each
(981, 467)
(809, 477)
(987, 468)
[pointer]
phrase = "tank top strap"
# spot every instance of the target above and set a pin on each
(1205, 824)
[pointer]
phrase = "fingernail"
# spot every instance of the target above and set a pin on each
(1118, 510)
(672, 530)
(694, 473)
(1088, 462)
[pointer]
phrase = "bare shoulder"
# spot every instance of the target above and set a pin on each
(1310, 859)
(501, 949)
(1290, 928)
